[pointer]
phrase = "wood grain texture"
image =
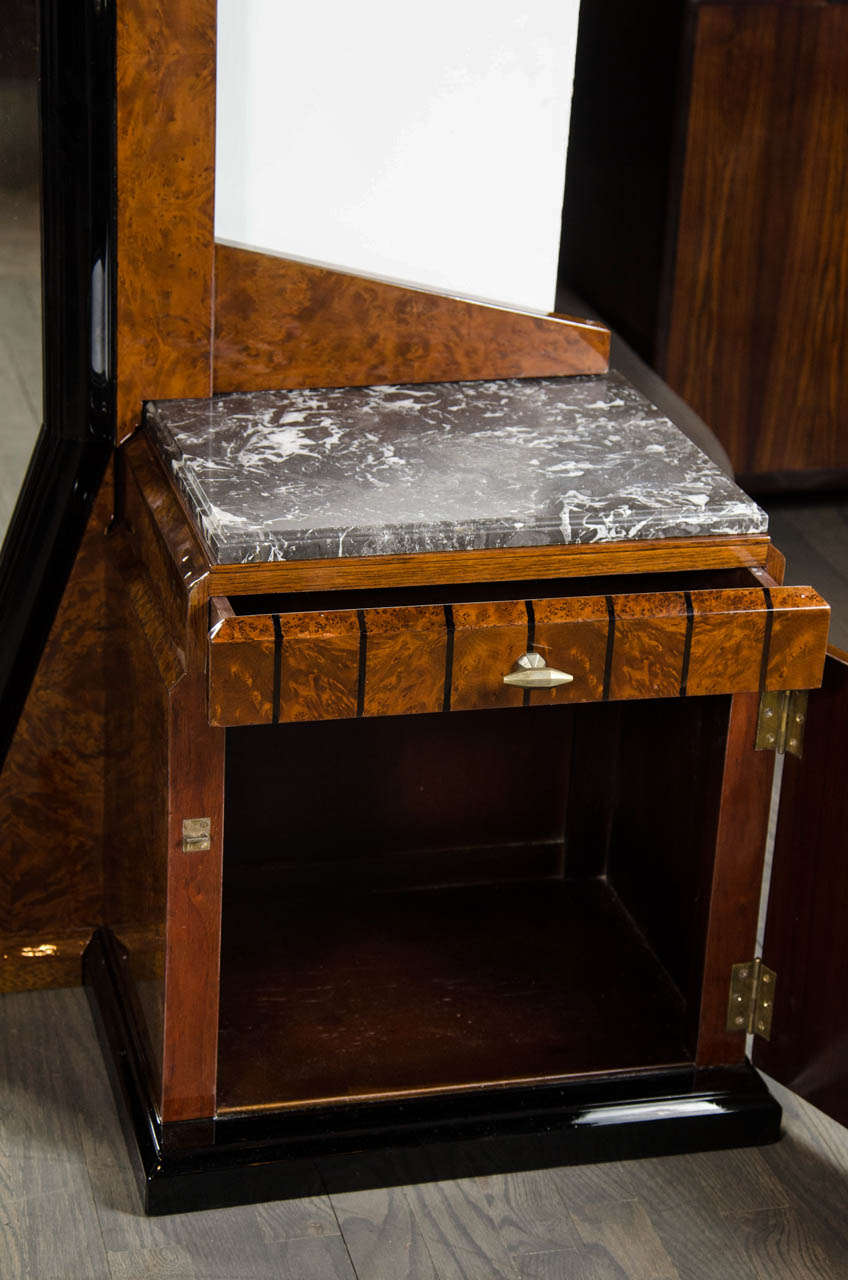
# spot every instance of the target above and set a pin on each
(172, 769)
(356, 995)
(141, 669)
(193, 922)
(63, 1136)
(423, 658)
(281, 324)
(759, 317)
(52, 784)
(502, 565)
(737, 875)
(165, 177)
(804, 940)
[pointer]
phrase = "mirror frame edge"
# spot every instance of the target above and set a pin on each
(76, 440)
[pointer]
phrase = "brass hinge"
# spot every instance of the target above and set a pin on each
(197, 834)
(751, 1004)
(780, 724)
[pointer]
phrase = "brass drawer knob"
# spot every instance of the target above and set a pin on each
(531, 672)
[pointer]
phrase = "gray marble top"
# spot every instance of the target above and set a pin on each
(362, 471)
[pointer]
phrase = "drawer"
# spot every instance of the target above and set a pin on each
(410, 659)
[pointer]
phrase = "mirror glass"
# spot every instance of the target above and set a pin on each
(20, 249)
(421, 145)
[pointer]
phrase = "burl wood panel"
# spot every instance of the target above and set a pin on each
(502, 565)
(51, 787)
(281, 324)
(419, 658)
(737, 875)
(759, 321)
(165, 179)
(808, 904)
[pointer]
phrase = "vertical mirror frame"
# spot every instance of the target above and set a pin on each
(77, 109)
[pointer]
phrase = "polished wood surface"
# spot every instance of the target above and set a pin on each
(654, 555)
(439, 800)
(759, 319)
(369, 995)
(167, 911)
(52, 785)
(659, 785)
(805, 938)
(413, 659)
(193, 921)
(165, 177)
(280, 324)
(737, 875)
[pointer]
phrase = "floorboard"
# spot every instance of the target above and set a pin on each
(70, 1211)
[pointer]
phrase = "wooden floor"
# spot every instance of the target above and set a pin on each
(69, 1208)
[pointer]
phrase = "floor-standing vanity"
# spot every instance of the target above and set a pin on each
(438, 817)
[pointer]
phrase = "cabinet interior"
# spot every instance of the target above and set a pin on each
(437, 902)
(467, 592)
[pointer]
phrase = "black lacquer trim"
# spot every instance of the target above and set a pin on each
(531, 642)
(764, 661)
(77, 86)
(610, 646)
(278, 668)
(687, 643)
(531, 626)
(363, 662)
(242, 1159)
(450, 632)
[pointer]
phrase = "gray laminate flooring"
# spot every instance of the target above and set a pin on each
(69, 1208)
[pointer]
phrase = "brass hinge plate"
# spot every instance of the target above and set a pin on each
(197, 834)
(751, 1004)
(780, 723)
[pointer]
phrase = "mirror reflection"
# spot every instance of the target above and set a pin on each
(20, 249)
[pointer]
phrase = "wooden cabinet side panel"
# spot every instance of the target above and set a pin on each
(808, 909)
(759, 320)
(193, 911)
(135, 843)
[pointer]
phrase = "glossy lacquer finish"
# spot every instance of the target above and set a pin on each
(805, 934)
(280, 323)
(270, 668)
(77, 113)
(240, 1159)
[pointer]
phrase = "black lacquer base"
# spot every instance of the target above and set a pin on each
(275, 1155)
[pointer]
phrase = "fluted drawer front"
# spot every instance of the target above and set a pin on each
(411, 659)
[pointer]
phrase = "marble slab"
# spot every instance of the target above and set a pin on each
(364, 471)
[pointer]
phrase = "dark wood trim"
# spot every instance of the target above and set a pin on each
(805, 940)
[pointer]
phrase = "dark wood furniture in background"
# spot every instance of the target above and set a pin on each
(706, 205)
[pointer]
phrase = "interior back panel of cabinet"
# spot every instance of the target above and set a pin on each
(426, 800)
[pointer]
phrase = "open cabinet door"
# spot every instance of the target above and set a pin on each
(806, 939)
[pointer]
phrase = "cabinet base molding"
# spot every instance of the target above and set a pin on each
(242, 1159)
